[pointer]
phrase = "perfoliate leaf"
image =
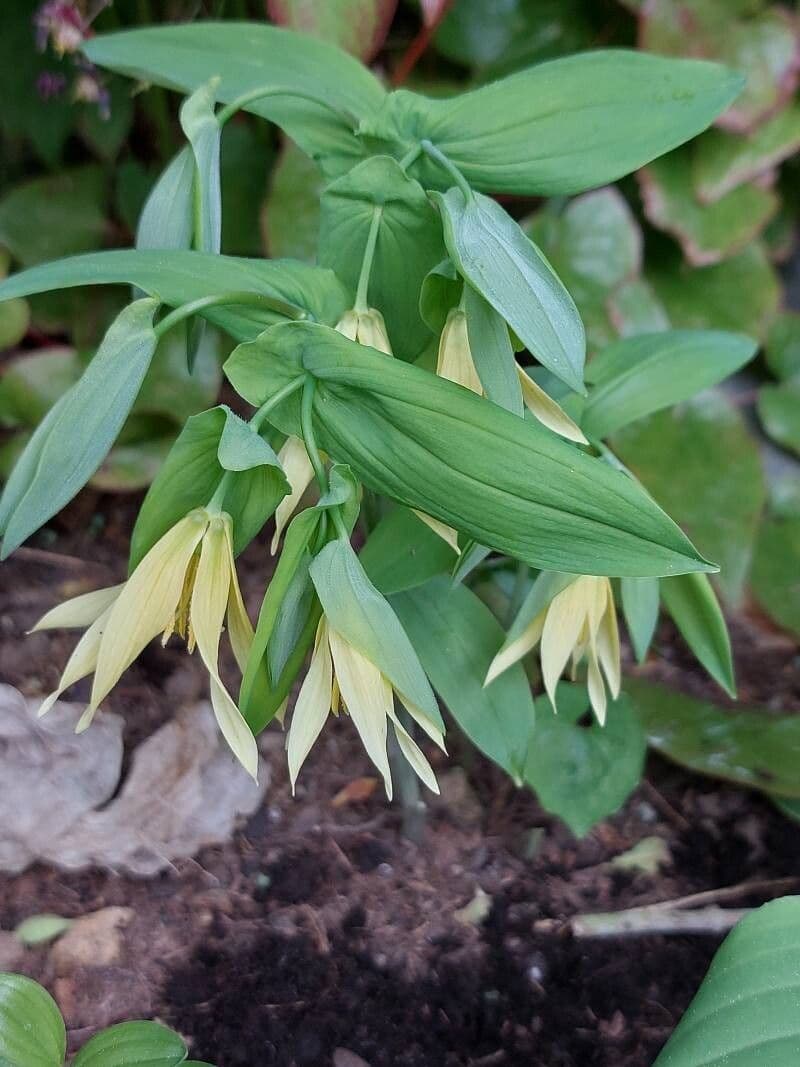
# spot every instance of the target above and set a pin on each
(691, 602)
(167, 218)
(509, 271)
(32, 1031)
(641, 598)
(83, 426)
(136, 1044)
(241, 446)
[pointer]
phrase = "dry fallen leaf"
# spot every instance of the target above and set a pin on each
(184, 790)
(355, 792)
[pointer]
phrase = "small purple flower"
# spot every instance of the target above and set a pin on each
(50, 85)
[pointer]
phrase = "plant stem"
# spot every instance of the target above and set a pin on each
(366, 264)
(307, 426)
(277, 398)
(439, 157)
(218, 499)
(268, 303)
(266, 91)
(410, 156)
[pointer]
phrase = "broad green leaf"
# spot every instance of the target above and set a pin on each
(409, 244)
(745, 1012)
(691, 602)
(54, 216)
(402, 552)
(179, 276)
(199, 123)
(752, 747)
(570, 124)
(438, 448)
(247, 56)
(640, 375)
(189, 479)
(723, 161)
(492, 353)
(775, 576)
(85, 425)
(456, 636)
(247, 160)
(357, 26)
(290, 216)
(779, 411)
(506, 268)
(641, 598)
(581, 773)
(363, 616)
(32, 1031)
(167, 219)
(136, 1044)
(708, 233)
(702, 464)
(783, 345)
(241, 446)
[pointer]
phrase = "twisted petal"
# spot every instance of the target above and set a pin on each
(79, 612)
(413, 754)
(313, 704)
(299, 472)
(82, 661)
(547, 411)
(147, 602)
(240, 629)
(209, 603)
(514, 651)
(563, 624)
(368, 698)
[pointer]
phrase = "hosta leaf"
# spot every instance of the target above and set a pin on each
(779, 411)
(690, 601)
(137, 1044)
(643, 374)
(580, 773)
(509, 271)
(757, 967)
(775, 576)
(436, 447)
(402, 552)
(357, 26)
(290, 216)
(456, 636)
(248, 56)
(708, 233)
(32, 1031)
(641, 598)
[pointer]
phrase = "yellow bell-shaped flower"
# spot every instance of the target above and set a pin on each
(367, 327)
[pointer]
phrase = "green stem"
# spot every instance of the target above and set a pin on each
(366, 264)
(279, 397)
(277, 90)
(439, 157)
(410, 156)
(268, 303)
(218, 499)
(307, 426)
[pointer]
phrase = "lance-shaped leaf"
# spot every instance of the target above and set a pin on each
(569, 124)
(439, 448)
(199, 123)
(691, 602)
(456, 636)
(246, 57)
(167, 218)
(189, 478)
(639, 375)
(409, 244)
(492, 353)
(32, 1031)
(85, 424)
(641, 598)
(510, 272)
(135, 1044)
(178, 276)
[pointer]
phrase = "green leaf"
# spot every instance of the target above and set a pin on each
(178, 276)
(170, 390)
(40, 929)
(85, 425)
(441, 290)
(290, 216)
(495, 256)
(783, 345)
(546, 586)
(641, 598)
(33, 382)
(775, 577)
(779, 410)
(199, 123)
(136, 1044)
(640, 375)
(247, 160)
(492, 353)
(691, 602)
(189, 479)
(241, 446)
(580, 773)
(720, 493)
(724, 161)
(247, 56)
(32, 1031)
(436, 447)
(745, 1011)
(363, 616)
(573, 123)
(357, 26)
(167, 219)
(409, 244)
(708, 233)
(402, 552)
(456, 636)
(752, 747)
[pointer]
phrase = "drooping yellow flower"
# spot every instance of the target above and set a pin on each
(580, 621)
(186, 584)
(367, 327)
(338, 671)
(455, 362)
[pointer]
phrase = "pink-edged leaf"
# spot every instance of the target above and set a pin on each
(357, 26)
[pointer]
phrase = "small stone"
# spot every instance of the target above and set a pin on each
(94, 940)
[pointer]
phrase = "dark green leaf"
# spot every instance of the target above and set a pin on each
(640, 603)
(290, 216)
(247, 157)
(137, 1044)
(690, 601)
(402, 552)
(32, 1031)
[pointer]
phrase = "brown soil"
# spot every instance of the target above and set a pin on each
(321, 933)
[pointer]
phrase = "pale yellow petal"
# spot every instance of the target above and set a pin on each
(608, 650)
(147, 602)
(234, 728)
(513, 652)
(547, 411)
(240, 629)
(81, 663)
(564, 621)
(312, 707)
(447, 533)
(348, 324)
(454, 361)
(299, 472)
(421, 719)
(414, 754)
(368, 699)
(372, 331)
(594, 683)
(280, 714)
(79, 612)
